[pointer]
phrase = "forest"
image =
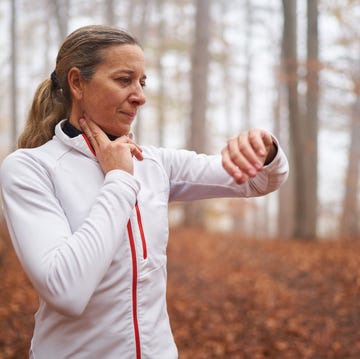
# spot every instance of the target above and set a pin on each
(215, 68)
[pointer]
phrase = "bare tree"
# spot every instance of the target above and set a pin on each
(140, 29)
(349, 225)
(160, 72)
(199, 88)
(350, 218)
(14, 78)
(348, 38)
(290, 63)
(199, 78)
(286, 218)
(248, 62)
(62, 14)
(311, 121)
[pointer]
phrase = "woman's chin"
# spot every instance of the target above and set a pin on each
(111, 132)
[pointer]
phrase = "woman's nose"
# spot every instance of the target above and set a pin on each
(138, 96)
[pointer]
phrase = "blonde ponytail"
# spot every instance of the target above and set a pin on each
(46, 111)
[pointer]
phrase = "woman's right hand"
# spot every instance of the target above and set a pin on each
(117, 154)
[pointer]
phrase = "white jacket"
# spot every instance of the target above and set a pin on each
(94, 247)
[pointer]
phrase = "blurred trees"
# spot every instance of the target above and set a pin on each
(197, 136)
(61, 13)
(109, 8)
(311, 121)
(161, 35)
(296, 125)
(14, 66)
(233, 85)
(350, 227)
(348, 38)
(303, 120)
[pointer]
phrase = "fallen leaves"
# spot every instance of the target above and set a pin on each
(233, 298)
(263, 299)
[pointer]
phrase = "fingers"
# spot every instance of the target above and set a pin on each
(244, 155)
(233, 170)
(94, 133)
(135, 150)
(256, 142)
(98, 138)
(117, 154)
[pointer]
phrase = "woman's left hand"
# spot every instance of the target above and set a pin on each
(245, 155)
(112, 155)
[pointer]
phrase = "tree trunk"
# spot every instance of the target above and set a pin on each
(199, 81)
(61, 12)
(290, 63)
(349, 225)
(199, 77)
(160, 74)
(311, 143)
(14, 78)
(248, 64)
(285, 220)
(140, 33)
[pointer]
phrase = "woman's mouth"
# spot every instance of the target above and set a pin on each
(130, 115)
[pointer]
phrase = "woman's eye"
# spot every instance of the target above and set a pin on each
(127, 81)
(124, 80)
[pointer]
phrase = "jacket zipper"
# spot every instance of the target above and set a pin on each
(135, 274)
(134, 264)
(91, 148)
(134, 290)
(138, 214)
(143, 241)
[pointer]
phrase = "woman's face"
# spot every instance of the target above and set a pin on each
(114, 94)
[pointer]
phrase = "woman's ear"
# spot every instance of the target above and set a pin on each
(75, 81)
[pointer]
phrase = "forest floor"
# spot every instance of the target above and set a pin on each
(231, 298)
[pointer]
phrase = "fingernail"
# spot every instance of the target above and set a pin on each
(81, 121)
(252, 172)
(237, 175)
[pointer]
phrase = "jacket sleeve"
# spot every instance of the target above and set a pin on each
(64, 267)
(197, 176)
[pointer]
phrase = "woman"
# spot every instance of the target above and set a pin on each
(86, 206)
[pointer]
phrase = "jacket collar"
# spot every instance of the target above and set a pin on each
(78, 142)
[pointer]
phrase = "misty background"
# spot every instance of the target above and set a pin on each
(215, 68)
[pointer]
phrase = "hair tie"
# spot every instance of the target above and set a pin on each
(54, 80)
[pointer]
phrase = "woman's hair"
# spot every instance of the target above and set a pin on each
(52, 100)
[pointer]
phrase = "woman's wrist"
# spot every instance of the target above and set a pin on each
(271, 154)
